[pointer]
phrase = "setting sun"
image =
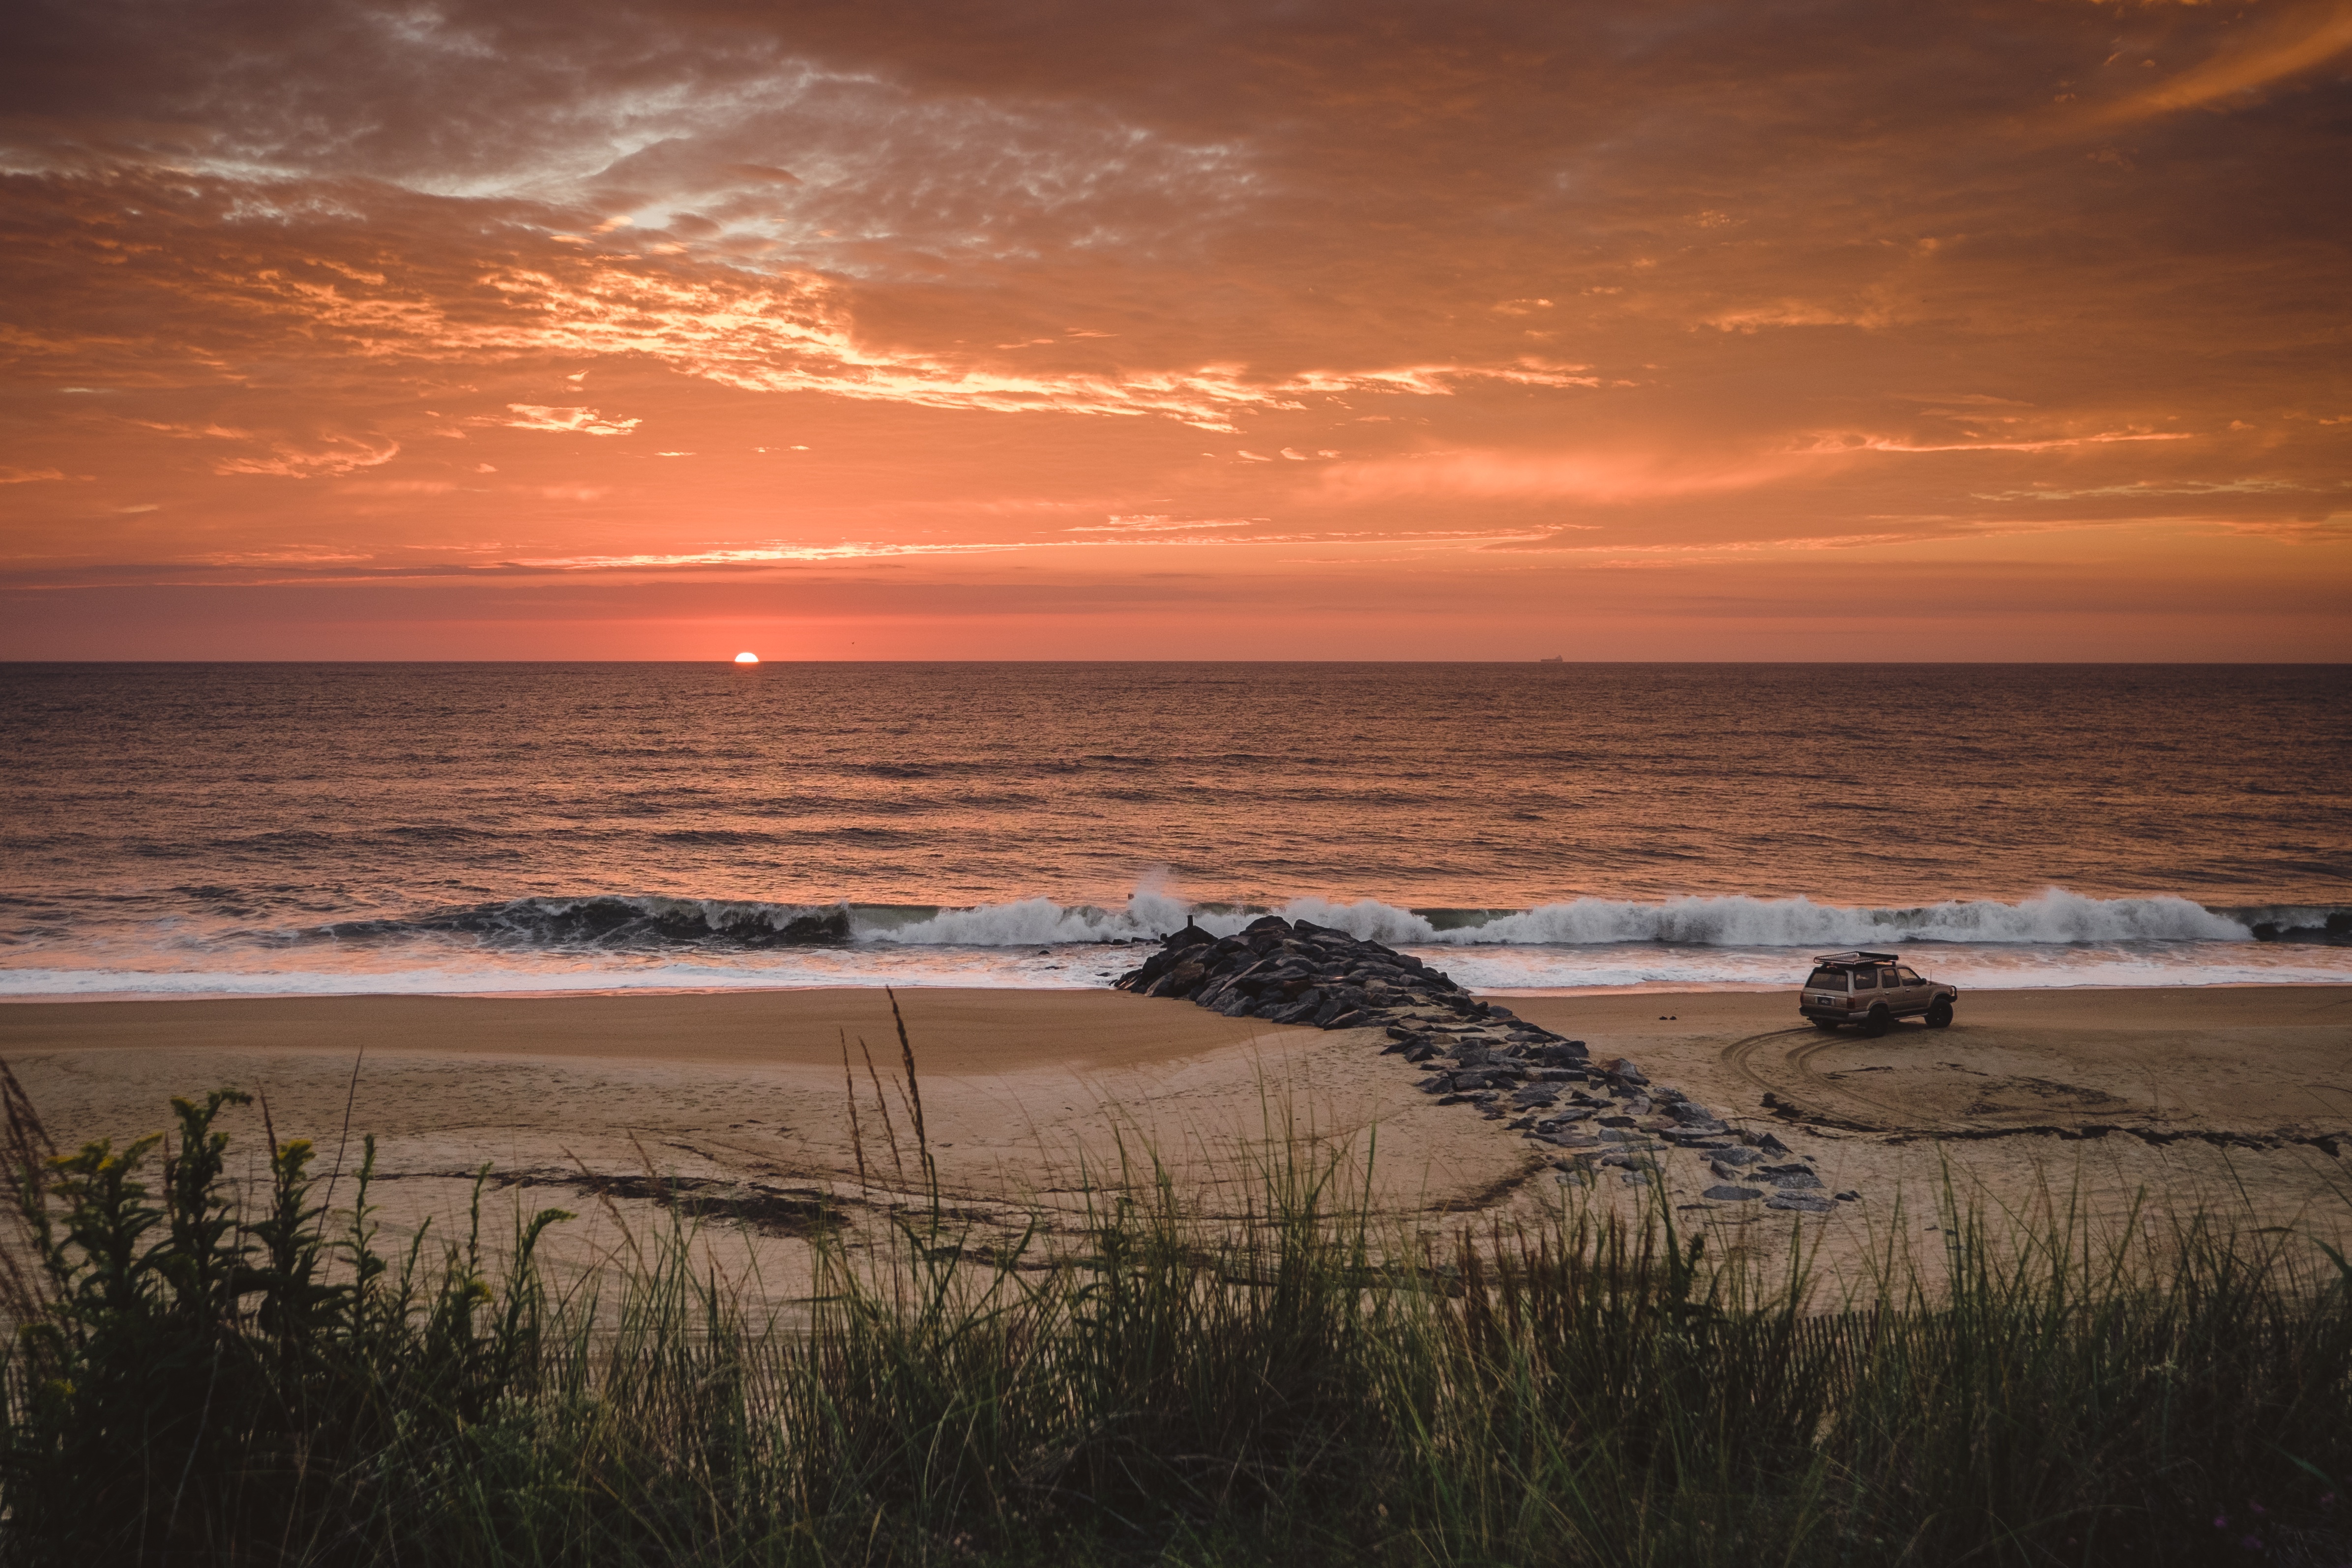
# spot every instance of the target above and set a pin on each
(747, 658)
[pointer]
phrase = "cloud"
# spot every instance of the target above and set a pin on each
(795, 332)
(325, 458)
(1838, 442)
(2305, 37)
(1599, 477)
(1154, 523)
(2140, 488)
(569, 421)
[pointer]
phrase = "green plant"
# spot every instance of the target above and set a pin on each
(1286, 1380)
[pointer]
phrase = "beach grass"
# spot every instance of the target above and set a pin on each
(201, 1375)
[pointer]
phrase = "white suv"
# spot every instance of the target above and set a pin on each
(1871, 989)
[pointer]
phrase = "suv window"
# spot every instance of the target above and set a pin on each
(1865, 980)
(1909, 978)
(1825, 980)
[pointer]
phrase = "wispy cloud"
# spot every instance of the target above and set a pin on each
(325, 458)
(1155, 522)
(568, 421)
(1601, 477)
(1856, 441)
(2303, 40)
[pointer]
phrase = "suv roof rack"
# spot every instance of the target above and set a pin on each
(1856, 958)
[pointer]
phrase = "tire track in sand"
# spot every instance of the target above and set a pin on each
(1806, 1099)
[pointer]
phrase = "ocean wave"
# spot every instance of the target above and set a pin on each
(2054, 916)
(610, 920)
(649, 922)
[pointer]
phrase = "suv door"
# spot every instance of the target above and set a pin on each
(1864, 979)
(1913, 993)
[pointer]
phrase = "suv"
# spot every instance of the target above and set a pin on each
(1871, 989)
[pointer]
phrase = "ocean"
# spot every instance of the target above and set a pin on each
(285, 829)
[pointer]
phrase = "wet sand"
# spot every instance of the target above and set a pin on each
(2239, 1097)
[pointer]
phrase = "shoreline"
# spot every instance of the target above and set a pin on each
(1504, 994)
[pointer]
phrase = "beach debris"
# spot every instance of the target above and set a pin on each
(1474, 1053)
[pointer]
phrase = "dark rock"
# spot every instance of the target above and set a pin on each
(1624, 1071)
(1800, 1203)
(1181, 980)
(1616, 1121)
(1731, 1194)
(1355, 1020)
(1849, 1196)
(1737, 1157)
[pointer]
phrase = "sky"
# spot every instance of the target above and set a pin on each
(1044, 329)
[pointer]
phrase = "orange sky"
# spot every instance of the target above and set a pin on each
(1062, 330)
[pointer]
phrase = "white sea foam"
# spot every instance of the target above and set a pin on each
(1492, 967)
(2052, 916)
(2056, 938)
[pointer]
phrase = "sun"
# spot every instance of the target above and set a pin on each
(747, 658)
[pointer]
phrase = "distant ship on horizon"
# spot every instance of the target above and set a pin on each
(1555, 658)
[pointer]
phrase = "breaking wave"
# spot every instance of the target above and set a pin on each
(644, 922)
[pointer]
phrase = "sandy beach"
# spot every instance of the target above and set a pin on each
(2234, 1097)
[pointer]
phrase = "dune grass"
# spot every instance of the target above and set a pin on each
(202, 1380)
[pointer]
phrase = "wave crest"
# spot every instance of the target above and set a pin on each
(618, 920)
(2054, 917)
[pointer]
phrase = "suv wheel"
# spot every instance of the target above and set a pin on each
(1940, 1013)
(1827, 1025)
(1879, 1021)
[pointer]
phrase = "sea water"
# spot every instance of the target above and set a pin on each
(275, 829)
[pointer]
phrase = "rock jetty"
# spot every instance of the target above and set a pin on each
(1590, 1118)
